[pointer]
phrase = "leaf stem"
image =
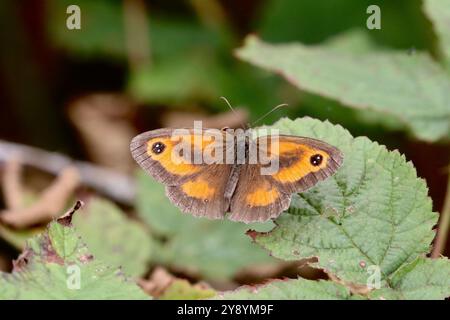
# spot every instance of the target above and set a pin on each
(444, 224)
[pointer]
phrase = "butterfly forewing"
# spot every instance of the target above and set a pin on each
(302, 162)
(195, 186)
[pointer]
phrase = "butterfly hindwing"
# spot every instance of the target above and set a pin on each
(203, 194)
(302, 162)
(257, 197)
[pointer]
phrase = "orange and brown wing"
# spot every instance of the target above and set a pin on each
(303, 162)
(256, 198)
(191, 184)
(203, 194)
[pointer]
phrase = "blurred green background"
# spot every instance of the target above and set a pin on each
(137, 65)
(180, 58)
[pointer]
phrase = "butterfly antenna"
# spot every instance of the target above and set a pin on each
(273, 109)
(232, 109)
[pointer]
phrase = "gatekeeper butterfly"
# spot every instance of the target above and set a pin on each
(232, 185)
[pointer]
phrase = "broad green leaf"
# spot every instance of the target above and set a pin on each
(291, 289)
(364, 121)
(373, 213)
(419, 280)
(155, 209)
(355, 40)
(411, 88)
(215, 249)
(58, 265)
(181, 289)
(439, 13)
(113, 237)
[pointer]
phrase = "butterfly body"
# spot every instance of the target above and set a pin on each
(252, 179)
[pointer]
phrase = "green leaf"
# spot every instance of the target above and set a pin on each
(180, 289)
(114, 238)
(292, 289)
(439, 14)
(355, 40)
(419, 280)
(411, 88)
(215, 249)
(363, 121)
(374, 211)
(155, 209)
(49, 269)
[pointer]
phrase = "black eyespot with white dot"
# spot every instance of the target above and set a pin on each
(158, 147)
(316, 160)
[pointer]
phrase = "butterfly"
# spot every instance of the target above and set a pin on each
(234, 187)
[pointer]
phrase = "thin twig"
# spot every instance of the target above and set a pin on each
(444, 225)
(120, 187)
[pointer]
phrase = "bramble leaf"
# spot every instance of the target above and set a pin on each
(419, 280)
(373, 215)
(113, 237)
(411, 88)
(58, 265)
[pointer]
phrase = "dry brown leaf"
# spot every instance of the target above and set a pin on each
(104, 123)
(50, 203)
(161, 283)
(354, 288)
(158, 281)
